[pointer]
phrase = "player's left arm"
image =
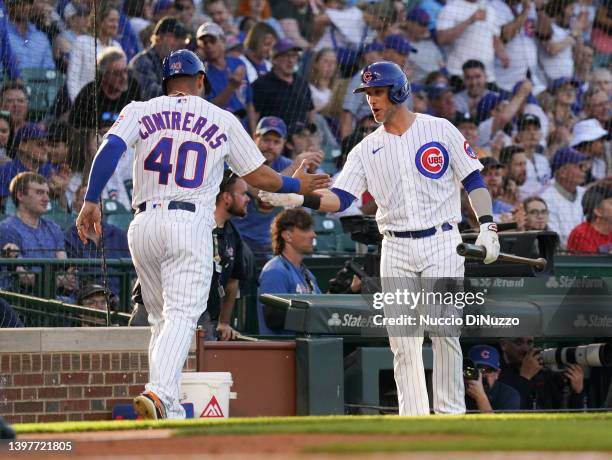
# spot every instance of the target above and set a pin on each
(105, 162)
(466, 168)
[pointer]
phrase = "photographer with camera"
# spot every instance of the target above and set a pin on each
(483, 391)
(522, 368)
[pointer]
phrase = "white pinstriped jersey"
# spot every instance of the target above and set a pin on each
(412, 177)
(180, 145)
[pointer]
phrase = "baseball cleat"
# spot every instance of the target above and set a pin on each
(149, 406)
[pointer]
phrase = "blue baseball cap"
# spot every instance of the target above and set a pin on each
(161, 5)
(530, 98)
(374, 46)
(284, 45)
(417, 87)
(419, 15)
(487, 103)
(485, 355)
(559, 82)
(399, 43)
(267, 124)
(565, 156)
(438, 90)
(30, 132)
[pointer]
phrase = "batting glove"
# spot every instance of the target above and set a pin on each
(488, 238)
(286, 200)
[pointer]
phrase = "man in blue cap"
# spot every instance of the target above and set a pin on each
(564, 193)
(270, 136)
(428, 57)
(487, 394)
(30, 155)
(494, 111)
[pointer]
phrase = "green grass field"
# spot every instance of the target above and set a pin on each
(511, 432)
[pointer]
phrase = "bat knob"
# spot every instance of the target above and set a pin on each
(540, 263)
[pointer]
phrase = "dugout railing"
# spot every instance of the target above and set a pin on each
(121, 275)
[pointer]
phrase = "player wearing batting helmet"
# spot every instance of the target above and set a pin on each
(181, 63)
(181, 146)
(411, 165)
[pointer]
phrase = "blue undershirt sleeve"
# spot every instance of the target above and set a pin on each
(473, 181)
(346, 199)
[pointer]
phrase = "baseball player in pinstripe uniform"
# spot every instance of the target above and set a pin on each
(181, 142)
(412, 165)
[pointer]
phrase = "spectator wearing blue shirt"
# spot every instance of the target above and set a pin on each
(270, 137)
(258, 46)
(493, 173)
(115, 245)
(29, 145)
(8, 63)
(28, 234)
(30, 46)
(229, 86)
(146, 67)
(292, 239)
(487, 393)
(8, 316)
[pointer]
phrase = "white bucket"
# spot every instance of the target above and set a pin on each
(209, 392)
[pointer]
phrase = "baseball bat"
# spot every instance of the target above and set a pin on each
(246, 338)
(473, 251)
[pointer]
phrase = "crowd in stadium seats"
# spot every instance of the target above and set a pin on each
(527, 82)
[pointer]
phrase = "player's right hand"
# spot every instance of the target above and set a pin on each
(489, 239)
(89, 221)
(310, 182)
(285, 200)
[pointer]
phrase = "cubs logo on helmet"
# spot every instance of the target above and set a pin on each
(366, 77)
(485, 354)
(432, 160)
(469, 150)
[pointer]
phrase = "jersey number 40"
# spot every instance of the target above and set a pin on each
(159, 161)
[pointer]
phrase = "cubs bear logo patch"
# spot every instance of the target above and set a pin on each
(432, 160)
(469, 150)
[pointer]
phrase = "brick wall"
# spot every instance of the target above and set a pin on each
(50, 386)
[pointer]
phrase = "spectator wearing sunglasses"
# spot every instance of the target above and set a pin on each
(487, 393)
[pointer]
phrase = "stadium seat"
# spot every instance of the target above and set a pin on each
(121, 220)
(328, 232)
(116, 214)
(42, 86)
(113, 207)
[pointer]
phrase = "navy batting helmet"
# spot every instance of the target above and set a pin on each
(385, 73)
(179, 63)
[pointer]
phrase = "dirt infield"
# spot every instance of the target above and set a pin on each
(162, 444)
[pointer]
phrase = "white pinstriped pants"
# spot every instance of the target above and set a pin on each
(429, 257)
(173, 255)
